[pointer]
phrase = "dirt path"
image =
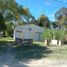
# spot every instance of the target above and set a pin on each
(7, 60)
(48, 63)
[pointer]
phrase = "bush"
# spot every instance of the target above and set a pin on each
(53, 34)
(46, 34)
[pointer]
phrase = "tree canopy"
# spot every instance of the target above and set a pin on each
(2, 23)
(61, 16)
(44, 21)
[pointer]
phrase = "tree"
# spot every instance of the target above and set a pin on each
(27, 15)
(32, 19)
(50, 34)
(54, 24)
(2, 23)
(10, 8)
(8, 5)
(10, 29)
(60, 14)
(14, 12)
(63, 22)
(44, 21)
(47, 35)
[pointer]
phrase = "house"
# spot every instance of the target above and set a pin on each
(29, 31)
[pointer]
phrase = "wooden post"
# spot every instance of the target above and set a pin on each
(59, 43)
(14, 35)
(45, 43)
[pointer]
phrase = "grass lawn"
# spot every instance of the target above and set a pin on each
(37, 51)
(57, 52)
(7, 39)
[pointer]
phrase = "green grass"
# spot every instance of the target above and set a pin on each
(58, 52)
(34, 51)
(37, 51)
(6, 39)
(39, 43)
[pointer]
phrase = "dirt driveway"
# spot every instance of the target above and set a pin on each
(8, 60)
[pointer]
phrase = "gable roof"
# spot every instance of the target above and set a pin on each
(29, 27)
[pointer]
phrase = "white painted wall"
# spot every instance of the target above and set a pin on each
(25, 33)
(36, 37)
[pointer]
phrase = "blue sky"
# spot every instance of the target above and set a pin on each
(38, 7)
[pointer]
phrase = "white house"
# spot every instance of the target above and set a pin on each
(29, 31)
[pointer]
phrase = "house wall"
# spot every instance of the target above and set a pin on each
(29, 32)
(28, 35)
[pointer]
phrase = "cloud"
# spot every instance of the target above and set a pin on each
(47, 3)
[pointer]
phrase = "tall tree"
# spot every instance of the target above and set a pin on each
(44, 21)
(63, 22)
(12, 11)
(10, 7)
(54, 24)
(60, 14)
(2, 23)
(27, 15)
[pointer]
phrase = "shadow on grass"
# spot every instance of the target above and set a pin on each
(30, 52)
(6, 57)
(34, 51)
(3, 47)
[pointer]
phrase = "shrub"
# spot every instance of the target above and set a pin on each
(53, 34)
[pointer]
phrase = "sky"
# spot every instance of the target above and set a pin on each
(46, 7)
